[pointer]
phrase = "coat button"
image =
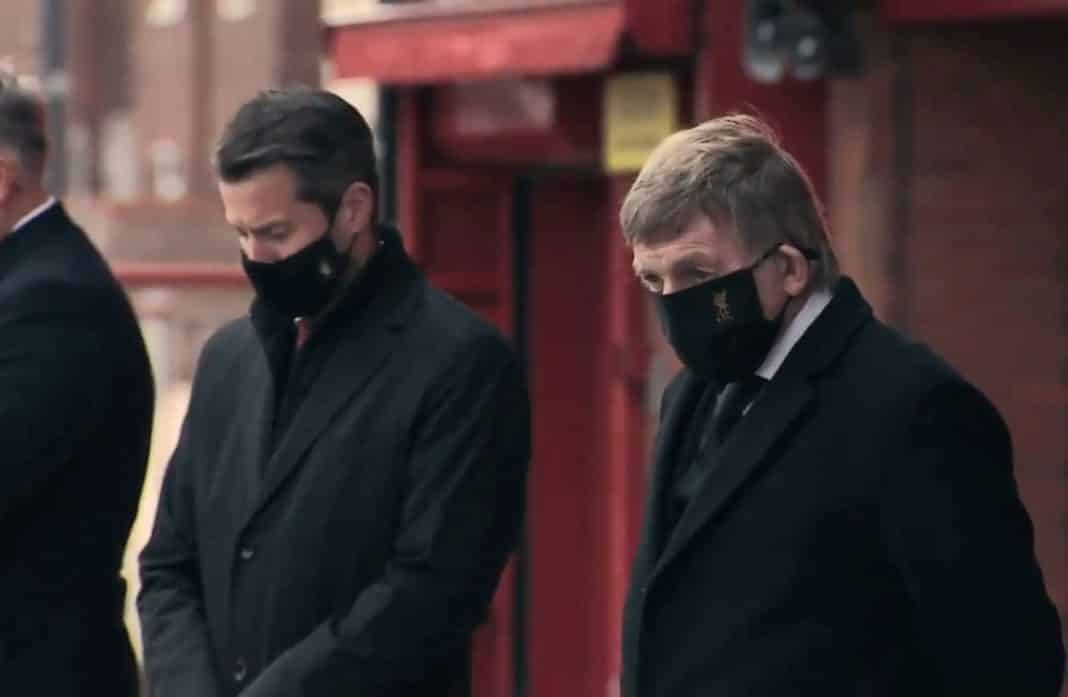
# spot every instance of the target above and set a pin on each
(247, 553)
(240, 671)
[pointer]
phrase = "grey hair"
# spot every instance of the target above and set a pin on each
(733, 171)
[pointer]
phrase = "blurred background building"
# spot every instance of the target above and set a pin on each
(509, 133)
(148, 87)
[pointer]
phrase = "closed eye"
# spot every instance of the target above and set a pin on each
(694, 276)
(651, 282)
(266, 233)
(277, 234)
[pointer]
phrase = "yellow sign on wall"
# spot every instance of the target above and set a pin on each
(639, 110)
(340, 12)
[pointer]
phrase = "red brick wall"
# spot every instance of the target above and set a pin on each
(951, 208)
(179, 81)
(862, 151)
(987, 245)
(186, 80)
(192, 76)
(171, 90)
(18, 34)
(279, 43)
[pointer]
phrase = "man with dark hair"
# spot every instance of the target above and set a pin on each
(76, 403)
(833, 510)
(350, 476)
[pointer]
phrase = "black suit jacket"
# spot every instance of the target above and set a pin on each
(75, 416)
(859, 533)
(356, 556)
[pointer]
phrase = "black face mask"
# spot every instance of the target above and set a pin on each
(718, 327)
(302, 284)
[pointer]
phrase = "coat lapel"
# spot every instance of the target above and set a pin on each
(674, 422)
(240, 490)
(770, 417)
(354, 361)
(261, 395)
(679, 402)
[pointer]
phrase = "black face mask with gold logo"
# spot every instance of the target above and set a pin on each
(718, 327)
(302, 284)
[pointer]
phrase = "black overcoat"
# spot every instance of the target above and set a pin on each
(353, 552)
(859, 533)
(76, 401)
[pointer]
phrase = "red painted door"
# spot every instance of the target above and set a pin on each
(458, 226)
(584, 330)
(588, 353)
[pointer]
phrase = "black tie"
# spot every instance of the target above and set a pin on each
(728, 406)
(708, 433)
(736, 397)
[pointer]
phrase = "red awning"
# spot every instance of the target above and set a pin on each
(438, 42)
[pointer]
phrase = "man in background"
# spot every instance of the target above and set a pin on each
(76, 401)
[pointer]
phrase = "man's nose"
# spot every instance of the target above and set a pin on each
(256, 250)
(669, 286)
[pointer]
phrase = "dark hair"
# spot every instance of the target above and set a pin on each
(22, 126)
(322, 138)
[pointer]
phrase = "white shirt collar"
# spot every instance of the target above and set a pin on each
(29, 217)
(816, 303)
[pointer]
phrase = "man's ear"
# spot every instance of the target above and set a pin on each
(9, 172)
(357, 207)
(796, 269)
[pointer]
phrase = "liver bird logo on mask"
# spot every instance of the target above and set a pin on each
(723, 309)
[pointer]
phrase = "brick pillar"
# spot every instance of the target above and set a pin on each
(172, 96)
(950, 204)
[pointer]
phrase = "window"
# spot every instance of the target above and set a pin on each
(165, 13)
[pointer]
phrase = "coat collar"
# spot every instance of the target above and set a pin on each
(364, 329)
(33, 230)
(37, 212)
(784, 401)
(389, 265)
(680, 400)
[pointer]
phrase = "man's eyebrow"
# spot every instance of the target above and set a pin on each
(695, 259)
(263, 228)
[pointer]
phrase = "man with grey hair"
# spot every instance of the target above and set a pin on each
(833, 509)
(75, 415)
